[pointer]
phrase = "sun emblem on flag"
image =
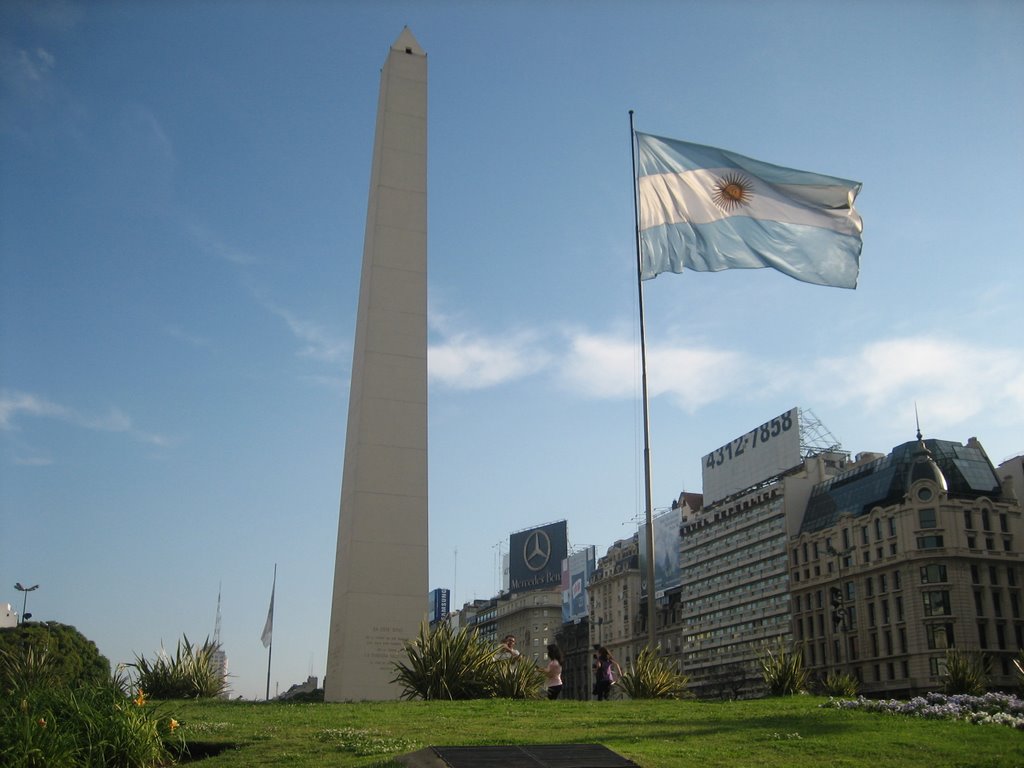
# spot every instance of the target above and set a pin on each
(732, 191)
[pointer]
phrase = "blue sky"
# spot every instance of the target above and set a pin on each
(182, 205)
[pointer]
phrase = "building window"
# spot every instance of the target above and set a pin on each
(892, 526)
(979, 603)
(982, 635)
(1014, 605)
(897, 582)
(883, 583)
(869, 587)
(986, 523)
(968, 519)
(878, 529)
(885, 611)
(1001, 636)
(846, 538)
(871, 615)
(975, 574)
(939, 636)
(993, 575)
(933, 574)
(930, 542)
(903, 640)
(864, 535)
(997, 603)
(1003, 525)
(936, 666)
(899, 607)
(1011, 576)
(926, 518)
(936, 603)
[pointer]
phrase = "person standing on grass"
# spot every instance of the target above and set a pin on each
(507, 650)
(553, 672)
(606, 668)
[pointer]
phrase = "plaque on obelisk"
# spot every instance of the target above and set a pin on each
(381, 568)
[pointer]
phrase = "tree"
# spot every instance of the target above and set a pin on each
(73, 659)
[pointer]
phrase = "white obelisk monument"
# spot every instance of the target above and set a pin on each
(381, 567)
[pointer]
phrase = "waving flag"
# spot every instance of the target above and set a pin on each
(709, 209)
(268, 628)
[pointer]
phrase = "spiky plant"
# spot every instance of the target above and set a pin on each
(653, 677)
(783, 670)
(518, 678)
(446, 664)
(1019, 664)
(190, 674)
(966, 672)
(840, 684)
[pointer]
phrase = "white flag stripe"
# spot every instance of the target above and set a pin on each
(689, 197)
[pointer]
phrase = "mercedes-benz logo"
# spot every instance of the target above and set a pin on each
(537, 550)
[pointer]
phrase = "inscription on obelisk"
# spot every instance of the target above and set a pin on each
(381, 566)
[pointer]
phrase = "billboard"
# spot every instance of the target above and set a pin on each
(438, 605)
(535, 557)
(667, 572)
(763, 452)
(576, 572)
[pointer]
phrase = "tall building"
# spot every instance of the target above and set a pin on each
(380, 572)
(614, 591)
(903, 556)
(734, 600)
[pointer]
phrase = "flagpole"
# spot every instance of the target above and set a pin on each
(649, 507)
(270, 646)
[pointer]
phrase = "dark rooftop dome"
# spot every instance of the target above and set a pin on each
(963, 470)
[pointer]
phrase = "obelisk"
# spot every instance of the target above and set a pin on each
(381, 566)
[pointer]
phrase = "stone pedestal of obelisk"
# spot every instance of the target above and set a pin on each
(381, 568)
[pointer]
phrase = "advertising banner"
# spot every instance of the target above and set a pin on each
(535, 557)
(761, 453)
(576, 572)
(667, 572)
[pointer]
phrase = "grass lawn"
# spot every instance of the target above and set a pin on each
(781, 732)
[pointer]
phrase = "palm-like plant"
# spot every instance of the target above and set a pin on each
(517, 678)
(966, 672)
(447, 664)
(189, 675)
(653, 677)
(783, 670)
(840, 684)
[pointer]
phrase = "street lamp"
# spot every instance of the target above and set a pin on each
(24, 602)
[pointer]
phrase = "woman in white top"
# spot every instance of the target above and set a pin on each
(554, 672)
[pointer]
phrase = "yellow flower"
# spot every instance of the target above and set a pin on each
(140, 699)
(173, 724)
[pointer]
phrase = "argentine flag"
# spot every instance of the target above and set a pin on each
(709, 209)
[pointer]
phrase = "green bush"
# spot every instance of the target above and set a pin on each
(47, 722)
(966, 672)
(71, 658)
(653, 677)
(445, 664)
(189, 675)
(840, 684)
(517, 678)
(448, 664)
(783, 670)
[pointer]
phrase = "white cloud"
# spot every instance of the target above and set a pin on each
(951, 381)
(14, 405)
(474, 361)
(607, 366)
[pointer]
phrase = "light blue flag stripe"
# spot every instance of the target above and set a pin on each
(708, 209)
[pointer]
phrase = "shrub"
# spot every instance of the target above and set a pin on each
(47, 723)
(517, 678)
(783, 671)
(189, 675)
(445, 664)
(71, 658)
(840, 684)
(966, 672)
(653, 677)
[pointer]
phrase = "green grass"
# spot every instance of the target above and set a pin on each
(769, 733)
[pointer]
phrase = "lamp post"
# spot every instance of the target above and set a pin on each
(838, 600)
(24, 603)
